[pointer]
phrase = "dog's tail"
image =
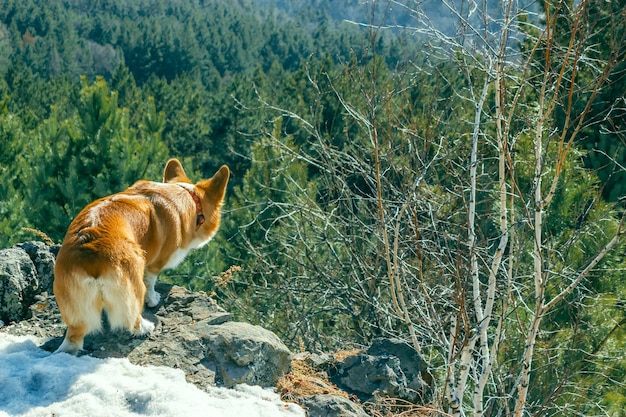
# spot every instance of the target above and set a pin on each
(87, 282)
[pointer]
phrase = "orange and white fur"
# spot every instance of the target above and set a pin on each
(116, 246)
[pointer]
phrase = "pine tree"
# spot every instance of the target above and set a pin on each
(12, 139)
(97, 152)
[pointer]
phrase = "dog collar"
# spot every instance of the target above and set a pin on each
(199, 215)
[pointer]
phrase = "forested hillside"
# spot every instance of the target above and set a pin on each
(447, 173)
(192, 64)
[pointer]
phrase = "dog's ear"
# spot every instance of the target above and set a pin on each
(174, 172)
(215, 187)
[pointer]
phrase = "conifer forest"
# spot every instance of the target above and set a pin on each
(451, 173)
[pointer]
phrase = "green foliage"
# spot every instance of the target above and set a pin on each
(12, 139)
(81, 37)
(91, 154)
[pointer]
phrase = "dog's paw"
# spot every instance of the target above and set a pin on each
(69, 347)
(146, 327)
(152, 298)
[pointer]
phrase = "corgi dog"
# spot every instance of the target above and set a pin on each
(116, 246)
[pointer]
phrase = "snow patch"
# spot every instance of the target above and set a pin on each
(36, 383)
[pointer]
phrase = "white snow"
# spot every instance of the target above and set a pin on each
(36, 383)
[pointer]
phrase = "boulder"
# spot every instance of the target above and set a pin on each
(43, 257)
(325, 405)
(415, 369)
(388, 368)
(245, 354)
(26, 270)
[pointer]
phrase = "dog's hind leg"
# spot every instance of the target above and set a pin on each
(152, 297)
(124, 299)
(81, 317)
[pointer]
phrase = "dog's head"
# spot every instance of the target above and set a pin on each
(210, 193)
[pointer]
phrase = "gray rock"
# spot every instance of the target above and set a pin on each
(316, 360)
(245, 354)
(25, 271)
(419, 380)
(389, 368)
(368, 376)
(18, 284)
(43, 257)
(179, 306)
(326, 405)
(195, 334)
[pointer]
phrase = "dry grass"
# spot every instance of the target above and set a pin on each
(341, 355)
(227, 276)
(46, 239)
(306, 381)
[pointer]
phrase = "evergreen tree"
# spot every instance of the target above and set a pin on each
(12, 208)
(95, 153)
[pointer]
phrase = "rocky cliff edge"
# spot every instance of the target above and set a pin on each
(193, 333)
